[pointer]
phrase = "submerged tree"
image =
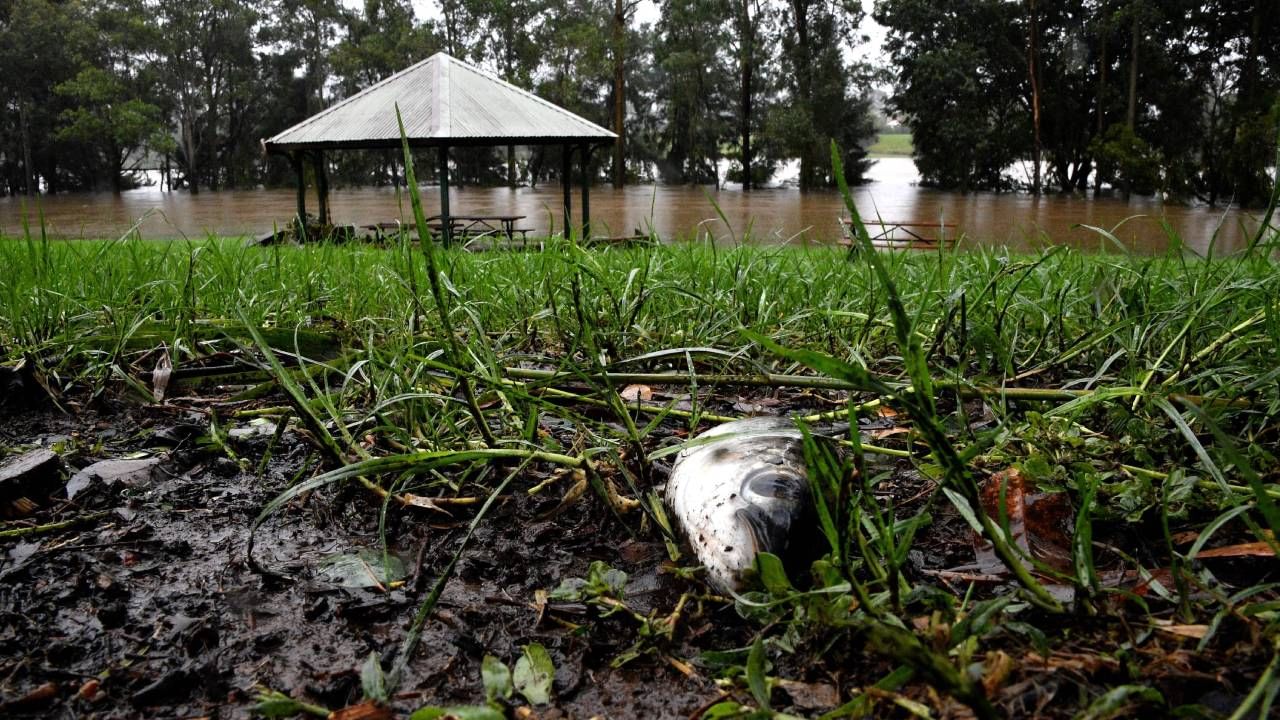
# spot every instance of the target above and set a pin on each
(828, 98)
(694, 87)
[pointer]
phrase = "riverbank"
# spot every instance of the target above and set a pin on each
(1117, 415)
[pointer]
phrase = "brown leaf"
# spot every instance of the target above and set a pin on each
(888, 432)
(1251, 549)
(364, 711)
(424, 502)
(995, 671)
(160, 376)
(1037, 522)
(636, 393)
(810, 696)
(1196, 632)
(1164, 576)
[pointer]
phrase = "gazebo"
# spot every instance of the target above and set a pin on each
(445, 103)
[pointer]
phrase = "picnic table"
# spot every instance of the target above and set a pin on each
(476, 226)
(918, 234)
(461, 227)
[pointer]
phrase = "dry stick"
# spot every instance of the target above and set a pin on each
(52, 527)
(655, 409)
(1214, 346)
(1205, 484)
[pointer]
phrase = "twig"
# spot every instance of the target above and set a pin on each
(52, 527)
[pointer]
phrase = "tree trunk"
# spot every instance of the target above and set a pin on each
(805, 82)
(1033, 71)
(746, 63)
(1101, 101)
(1131, 114)
(619, 93)
(24, 130)
(189, 144)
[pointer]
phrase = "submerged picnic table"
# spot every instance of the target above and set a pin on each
(463, 227)
(471, 226)
(924, 235)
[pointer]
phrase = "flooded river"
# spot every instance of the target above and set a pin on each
(772, 215)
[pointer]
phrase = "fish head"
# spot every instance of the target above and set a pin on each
(743, 491)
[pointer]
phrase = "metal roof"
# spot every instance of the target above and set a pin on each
(443, 101)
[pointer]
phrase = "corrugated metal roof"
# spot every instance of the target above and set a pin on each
(443, 101)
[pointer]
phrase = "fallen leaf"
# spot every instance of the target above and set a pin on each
(995, 671)
(888, 432)
(160, 376)
(810, 696)
(1037, 522)
(423, 501)
(363, 711)
(1196, 632)
(1251, 549)
(636, 393)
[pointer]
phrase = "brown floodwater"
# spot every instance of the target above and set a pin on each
(771, 216)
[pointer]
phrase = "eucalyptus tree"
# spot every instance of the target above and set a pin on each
(41, 44)
(509, 36)
(205, 50)
(828, 97)
(960, 82)
(696, 88)
(749, 39)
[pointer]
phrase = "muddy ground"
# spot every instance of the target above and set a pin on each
(145, 605)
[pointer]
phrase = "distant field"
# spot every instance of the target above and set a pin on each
(892, 144)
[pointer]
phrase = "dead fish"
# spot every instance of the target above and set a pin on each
(743, 489)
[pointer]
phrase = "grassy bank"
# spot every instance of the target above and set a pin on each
(892, 145)
(1144, 393)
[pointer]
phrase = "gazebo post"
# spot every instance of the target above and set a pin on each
(566, 180)
(446, 226)
(322, 187)
(586, 192)
(296, 159)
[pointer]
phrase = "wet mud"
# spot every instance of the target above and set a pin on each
(144, 605)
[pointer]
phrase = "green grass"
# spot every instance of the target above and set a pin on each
(892, 145)
(1145, 388)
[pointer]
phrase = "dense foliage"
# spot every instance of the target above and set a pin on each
(95, 90)
(1178, 97)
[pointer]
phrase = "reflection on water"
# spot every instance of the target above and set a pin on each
(774, 215)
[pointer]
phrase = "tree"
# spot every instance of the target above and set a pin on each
(114, 127)
(40, 43)
(751, 56)
(206, 51)
(829, 99)
(694, 88)
(961, 77)
(623, 10)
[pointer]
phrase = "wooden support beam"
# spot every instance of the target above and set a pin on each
(586, 193)
(322, 187)
(446, 224)
(301, 220)
(566, 181)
